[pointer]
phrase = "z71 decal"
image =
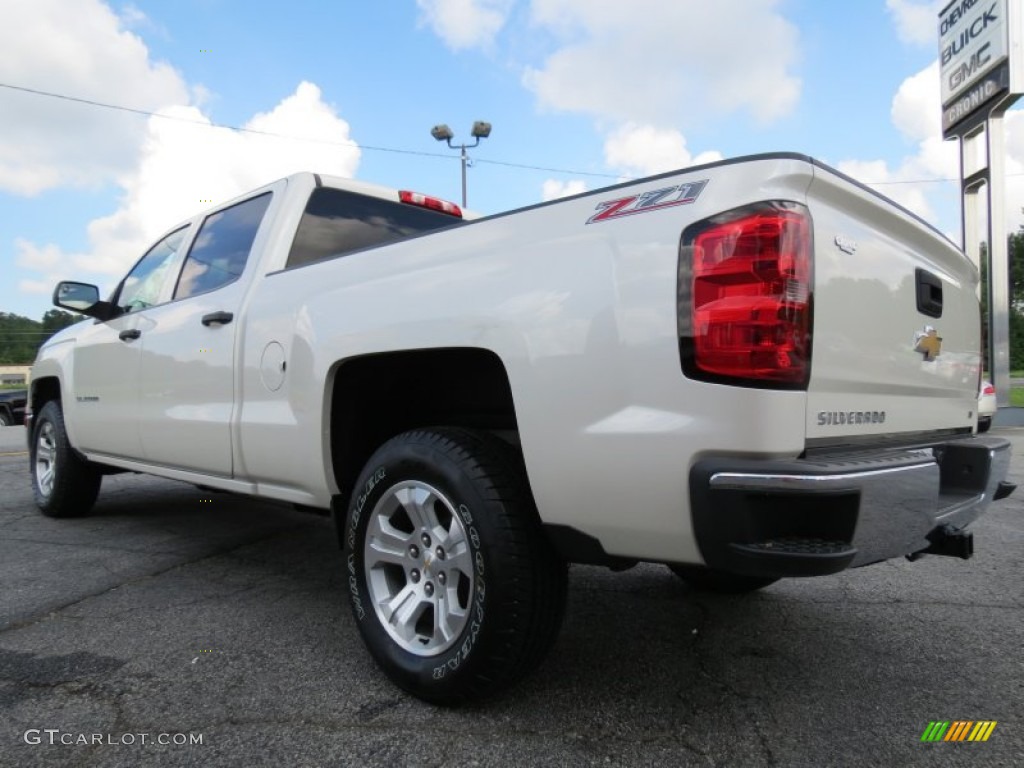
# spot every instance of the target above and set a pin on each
(655, 200)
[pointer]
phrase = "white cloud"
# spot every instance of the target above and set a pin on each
(916, 113)
(644, 65)
(33, 257)
(183, 165)
(47, 260)
(667, 63)
(916, 22)
(554, 189)
(37, 286)
(465, 23)
(1014, 169)
(643, 150)
(79, 49)
(133, 17)
(896, 184)
(916, 107)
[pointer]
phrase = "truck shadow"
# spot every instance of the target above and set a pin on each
(641, 636)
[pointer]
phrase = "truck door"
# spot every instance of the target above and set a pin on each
(104, 411)
(187, 376)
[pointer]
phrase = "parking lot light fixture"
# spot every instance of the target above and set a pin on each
(480, 130)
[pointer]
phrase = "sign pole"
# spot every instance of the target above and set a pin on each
(970, 226)
(981, 66)
(998, 259)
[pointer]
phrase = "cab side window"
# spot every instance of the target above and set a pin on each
(221, 248)
(145, 283)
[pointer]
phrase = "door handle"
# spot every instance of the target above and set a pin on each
(929, 293)
(131, 335)
(218, 317)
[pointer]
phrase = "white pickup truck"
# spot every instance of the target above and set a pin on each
(748, 370)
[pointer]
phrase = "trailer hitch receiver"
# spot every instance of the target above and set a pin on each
(948, 541)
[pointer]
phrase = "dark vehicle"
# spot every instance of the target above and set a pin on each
(12, 406)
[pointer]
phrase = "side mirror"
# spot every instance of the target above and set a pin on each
(81, 297)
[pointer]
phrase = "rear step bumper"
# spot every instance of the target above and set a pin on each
(815, 517)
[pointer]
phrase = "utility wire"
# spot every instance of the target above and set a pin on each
(347, 145)
(369, 147)
(553, 170)
(147, 113)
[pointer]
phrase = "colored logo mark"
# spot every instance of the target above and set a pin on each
(928, 343)
(958, 730)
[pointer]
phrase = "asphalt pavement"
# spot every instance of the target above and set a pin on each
(1009, 416)
(219, 624)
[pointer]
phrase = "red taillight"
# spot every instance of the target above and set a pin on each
(750, 296)
(988, 389)
(433, 203)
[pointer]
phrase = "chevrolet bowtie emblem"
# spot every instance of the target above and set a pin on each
(928, 342)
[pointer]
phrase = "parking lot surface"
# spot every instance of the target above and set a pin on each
(176, 615)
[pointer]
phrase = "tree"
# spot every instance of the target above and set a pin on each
(57, 319)
(20, 337)
(1015, 259)
(1015, 253)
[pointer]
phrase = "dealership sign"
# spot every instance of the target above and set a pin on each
(979, 56)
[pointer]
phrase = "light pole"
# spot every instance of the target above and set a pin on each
(442, 132)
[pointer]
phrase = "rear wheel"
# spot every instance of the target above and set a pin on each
(5, 419)
(455, 589)
(64, 484)
(984, 423)
(711, 580)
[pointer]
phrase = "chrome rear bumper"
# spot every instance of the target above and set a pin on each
(811, 517)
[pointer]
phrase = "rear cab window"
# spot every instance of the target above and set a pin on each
(337, 222)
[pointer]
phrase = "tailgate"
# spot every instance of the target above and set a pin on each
(896, 337)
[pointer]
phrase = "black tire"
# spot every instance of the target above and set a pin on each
(512, 598)
(5, 419)
(75, 483)
(723, 582)
(984, 424)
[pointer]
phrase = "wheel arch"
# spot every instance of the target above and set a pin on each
(43, 390)
(374, 397)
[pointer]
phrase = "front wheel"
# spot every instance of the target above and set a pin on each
(454, 587)
(711, 580)
(5, 419)
(64, 484)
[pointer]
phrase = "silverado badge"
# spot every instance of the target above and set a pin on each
(928, 342)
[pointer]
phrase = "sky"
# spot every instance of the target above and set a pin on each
(220, 96)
